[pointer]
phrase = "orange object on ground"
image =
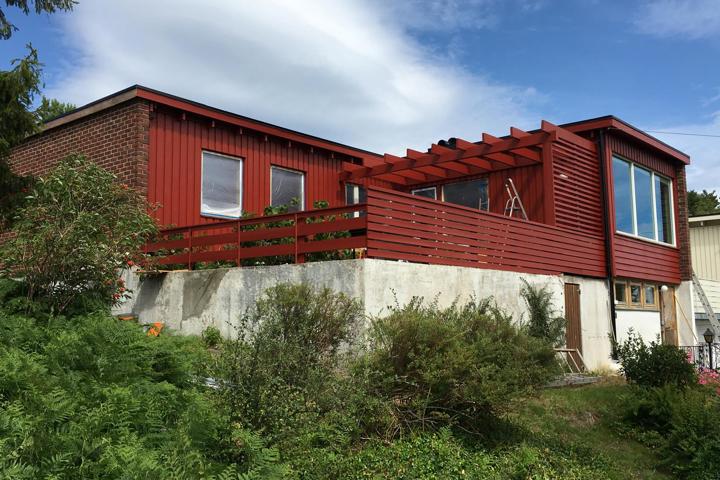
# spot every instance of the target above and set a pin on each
(155, 329)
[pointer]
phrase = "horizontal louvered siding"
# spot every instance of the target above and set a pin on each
(578, 190)
(416, 229)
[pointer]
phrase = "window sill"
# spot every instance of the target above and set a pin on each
(647, 240)
(218, 216)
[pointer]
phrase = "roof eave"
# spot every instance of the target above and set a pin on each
(612, 122)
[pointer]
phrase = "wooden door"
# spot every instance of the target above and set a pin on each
(668, 317)
(573, 332)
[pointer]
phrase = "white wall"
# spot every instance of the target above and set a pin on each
(645, 323)
(188, 302)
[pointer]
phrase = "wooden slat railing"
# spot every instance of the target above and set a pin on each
(394, 226)
(285, 238)
(417, 229)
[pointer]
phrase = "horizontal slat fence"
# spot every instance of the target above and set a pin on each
(391, 225)
(285, 238)
(416, 229)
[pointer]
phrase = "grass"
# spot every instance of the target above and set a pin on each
(582, 418)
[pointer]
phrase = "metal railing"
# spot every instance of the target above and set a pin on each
(705, 355)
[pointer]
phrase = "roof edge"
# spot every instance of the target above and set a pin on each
(611, 121)
(160, 97)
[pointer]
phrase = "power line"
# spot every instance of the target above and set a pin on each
(685, 133)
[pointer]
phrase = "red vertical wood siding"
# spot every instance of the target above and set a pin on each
(578, 189)
(640, 259)
(175, 154)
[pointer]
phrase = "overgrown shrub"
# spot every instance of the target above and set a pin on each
(543, 321)
(683, 424)
(94, 397)
(654, 364)
(284, 373)
(77, 229)
(453, 366)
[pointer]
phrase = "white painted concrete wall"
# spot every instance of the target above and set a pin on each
(189, 302)
(645, 323)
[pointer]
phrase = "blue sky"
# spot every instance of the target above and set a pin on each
(390, 75)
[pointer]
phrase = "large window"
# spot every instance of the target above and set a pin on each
(643, 202)
(221, 188)
(471, 193)
(287, 188)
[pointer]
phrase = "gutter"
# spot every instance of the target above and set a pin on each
(608, 233)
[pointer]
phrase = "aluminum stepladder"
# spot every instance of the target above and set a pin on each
(706, 304)
(513, 204)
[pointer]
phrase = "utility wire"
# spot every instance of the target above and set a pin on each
(684, 133)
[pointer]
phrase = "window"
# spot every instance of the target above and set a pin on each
(355, 194)
(428, 192)
(663, 210)
(472, 193)
(643, 202)
(287, 188)
(649, 295)
(221, 185)
(636, 295)
(620, 292)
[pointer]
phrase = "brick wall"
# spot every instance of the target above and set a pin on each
(683, 233)
(116, 139)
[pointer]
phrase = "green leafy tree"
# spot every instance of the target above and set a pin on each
(38, 6)
(51, 108)
(703, 203)
(78, 228)
(18, 88)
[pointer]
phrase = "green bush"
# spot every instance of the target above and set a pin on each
(94, 397)
(543, 321)
(78, 227)
(683, 424)
(654, 365)
(453, 366)
(284, 375)
(212, 337)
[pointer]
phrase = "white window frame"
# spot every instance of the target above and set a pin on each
(424, 189)
(302, 184)
(240, 180)
(656, 231)
(356, 193)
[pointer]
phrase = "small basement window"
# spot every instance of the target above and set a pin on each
(620, 292)
(221, 186)
(427, 192)
(287, 188)
(636, 295)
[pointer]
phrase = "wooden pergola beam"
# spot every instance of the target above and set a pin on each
(470, 153)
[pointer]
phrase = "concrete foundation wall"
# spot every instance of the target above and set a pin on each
(189, 302)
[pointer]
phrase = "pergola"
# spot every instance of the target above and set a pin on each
(457, 158)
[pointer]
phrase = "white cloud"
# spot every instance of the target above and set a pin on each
(344, 69)
(704, 171)
(685, 18)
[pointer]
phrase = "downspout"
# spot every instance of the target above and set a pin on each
(608, 234)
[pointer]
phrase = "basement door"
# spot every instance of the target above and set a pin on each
(573, 333)
(668, 317)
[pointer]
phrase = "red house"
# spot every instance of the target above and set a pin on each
(598, 201)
